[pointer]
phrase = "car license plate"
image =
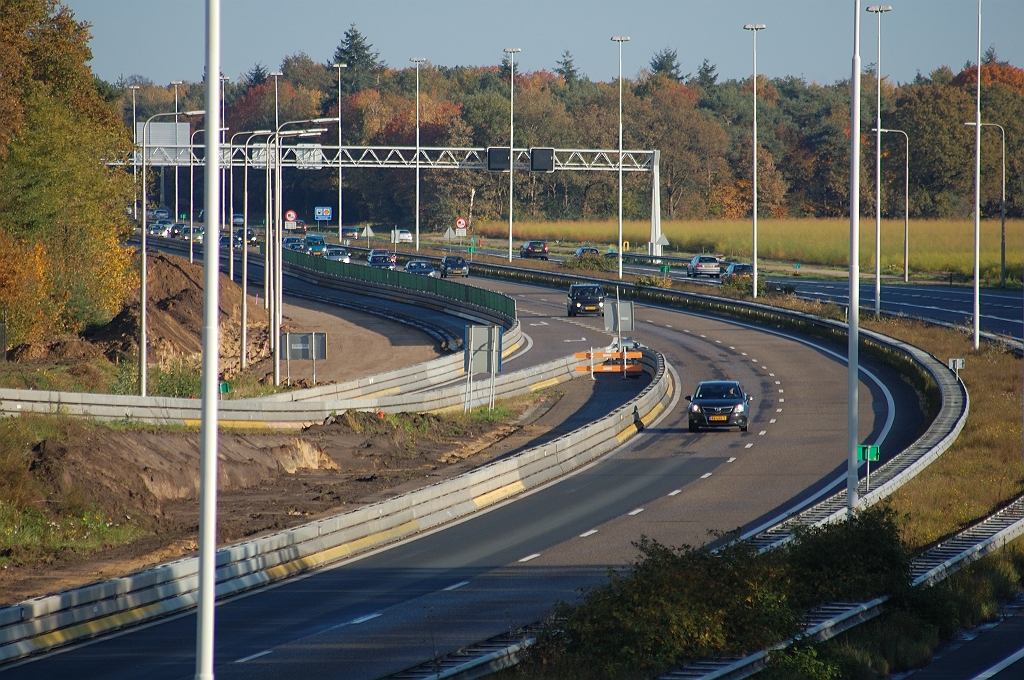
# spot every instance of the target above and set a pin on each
(591, 309)
(718, 418)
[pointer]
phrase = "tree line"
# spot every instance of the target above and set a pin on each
(700, 123)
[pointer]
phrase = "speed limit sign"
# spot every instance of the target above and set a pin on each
(290, 216)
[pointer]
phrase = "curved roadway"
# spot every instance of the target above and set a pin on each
(396, 607)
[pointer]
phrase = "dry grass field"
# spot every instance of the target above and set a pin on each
(936, 246)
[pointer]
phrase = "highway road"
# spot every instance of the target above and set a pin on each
(989, 652)
(395, 607)
(1002, 311)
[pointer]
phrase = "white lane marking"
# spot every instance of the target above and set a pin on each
(668, 325)
(778, 382)
(778, 410)
(748, 446)
(703, 336)
(635, 512)
(544, 299)
(363, 619)
(575, 340)
(705, 475)
(1000, 667)
(456, 586)
(762, 433)
(731, 347)
(782, 401)
(649, 321)
(764, 368)
(731, 459)
(542, 323)
(781, 390)
(717, 342)
(254, 656)
(754, 360)
(772, 374)
(772, 421)
(530, 557)
(677, 491)
(743, 353)
(588, 533)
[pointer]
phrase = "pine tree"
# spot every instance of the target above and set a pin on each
(566, 67)
(364, 64)
(257, 75)
(667, 62)
(707, 75)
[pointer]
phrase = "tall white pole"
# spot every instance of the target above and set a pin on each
(211, 357)
(853, 355)
(340, 100)
(177, 152)
(977, 197)
(417, 61)
(143, 358)
(754, 28)
(191, 198)
(620, 39)
(135, 151)
(511, 52)
(878, 10)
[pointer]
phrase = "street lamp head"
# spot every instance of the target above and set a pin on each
(275, 74)
(512, 50)
(134, 87)
(193, 113)
(620, 38)
(176, 82)
(338, 66)
(323, 120)
(878, 9)
(754, 27)
(417, 60)
(313, 132)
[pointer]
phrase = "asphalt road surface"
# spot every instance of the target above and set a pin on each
(396, 607)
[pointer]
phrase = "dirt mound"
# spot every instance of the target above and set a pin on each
(175, 323)
(65, 350)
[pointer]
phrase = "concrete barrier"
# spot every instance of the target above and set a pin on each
(45, 623)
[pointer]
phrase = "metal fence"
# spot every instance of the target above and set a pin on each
(447, 289)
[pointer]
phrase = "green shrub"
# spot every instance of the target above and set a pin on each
(596, 263)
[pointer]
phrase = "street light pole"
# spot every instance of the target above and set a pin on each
(417, 61)
(191, 196)
(977, 198)
(511, 52)
(620, 39)
(143, 354)
(207, 572)
(245, 248)
(906, 209)
(878, 10)
(1002, 207)
(135, 160)
(231, 230)
(754, 28)
(339, 66)
(177, 151)
(853, 328)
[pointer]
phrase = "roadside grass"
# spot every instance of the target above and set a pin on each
(983, 470)
(936, 246)
(94, 375)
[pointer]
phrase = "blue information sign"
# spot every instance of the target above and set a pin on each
(323, 214)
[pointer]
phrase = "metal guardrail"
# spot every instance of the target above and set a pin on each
(941, 433)
(45, 623)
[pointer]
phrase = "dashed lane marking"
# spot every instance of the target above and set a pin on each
(456, 586)
(731, 459)
(635, 512)
(530, 557)
(772, 421)
(705, 475)
(762, 433)
(588, 533)
(748, 446)
(677, 491)
(254, 656)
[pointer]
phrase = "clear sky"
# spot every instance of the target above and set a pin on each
(164, 40)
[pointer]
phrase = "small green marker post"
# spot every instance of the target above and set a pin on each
(867, 453)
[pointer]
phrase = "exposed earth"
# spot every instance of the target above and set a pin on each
(149, 478)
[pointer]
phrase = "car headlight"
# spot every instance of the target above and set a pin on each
(695, 408)
(739, 408)
(600, 304)
(577, 304)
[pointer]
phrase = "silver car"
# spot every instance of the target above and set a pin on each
(423, 268)
(338, 255)
(704, 265)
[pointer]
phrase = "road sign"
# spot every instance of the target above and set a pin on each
(473, 240)
(796, 265)
(471, 249)
(665, 268)
(323, 214)
(460, 232)
(460, 223)
(662, 241)
(618, 316)
(865, 452)
(367, 232)
(291, 216)
(449, 234)
(290, 225)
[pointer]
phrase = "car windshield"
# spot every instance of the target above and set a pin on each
(709, 259)
(456, 261)
(717, 391)
(587, 291)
